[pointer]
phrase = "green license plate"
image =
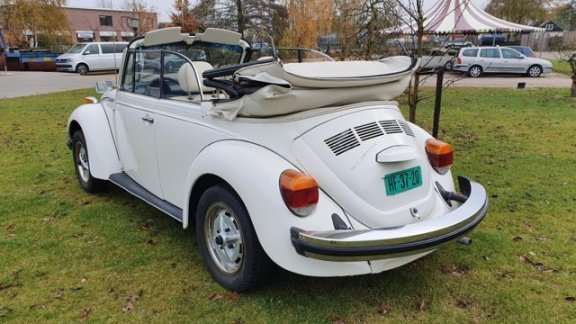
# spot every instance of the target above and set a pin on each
(404, 180)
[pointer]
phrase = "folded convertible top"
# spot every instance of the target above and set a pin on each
(294, 87)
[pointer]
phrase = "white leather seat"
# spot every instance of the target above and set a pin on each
(187, 77)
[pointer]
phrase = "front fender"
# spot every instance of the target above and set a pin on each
(92, 120)
(253, 172)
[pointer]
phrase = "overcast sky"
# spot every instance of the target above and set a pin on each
(164, 7)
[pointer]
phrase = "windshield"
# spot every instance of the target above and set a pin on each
(76, 48)
(218, 55)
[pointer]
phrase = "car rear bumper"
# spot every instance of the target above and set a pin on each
(357, 245)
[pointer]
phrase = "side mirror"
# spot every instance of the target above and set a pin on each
(104, 86)
(86, 53)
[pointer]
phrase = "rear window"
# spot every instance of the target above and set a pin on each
(471, 52)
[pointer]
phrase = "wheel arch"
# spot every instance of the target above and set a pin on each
(93, 122)
(253, 173)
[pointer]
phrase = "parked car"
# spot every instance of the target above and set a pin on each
(85, 57)
(491, 40)
(526, 50)
(308, 166)
(434, 59)
(457, 43)
(494, 59)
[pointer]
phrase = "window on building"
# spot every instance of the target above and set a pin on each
(106, 21)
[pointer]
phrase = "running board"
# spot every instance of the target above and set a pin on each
(123, 181)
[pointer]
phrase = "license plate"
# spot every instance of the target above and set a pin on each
(402, 181)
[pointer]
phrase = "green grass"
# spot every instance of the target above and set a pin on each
(562, 67)
(67, 256)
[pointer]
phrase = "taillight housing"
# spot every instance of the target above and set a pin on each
(299, 192)
(440, 155)
(458, 60)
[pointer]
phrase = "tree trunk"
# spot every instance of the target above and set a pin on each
(573, 90)
(413, 97)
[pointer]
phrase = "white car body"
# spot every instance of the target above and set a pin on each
(169, 147)
(495, 59)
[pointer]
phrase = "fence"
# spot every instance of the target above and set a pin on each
(550, 41)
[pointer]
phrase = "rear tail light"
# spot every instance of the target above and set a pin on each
(458, 60)
(299, 191)
(440, 155)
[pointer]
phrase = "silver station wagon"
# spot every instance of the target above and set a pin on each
(494, 59)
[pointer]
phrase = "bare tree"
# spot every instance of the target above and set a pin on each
(414, 10)
(308, 20)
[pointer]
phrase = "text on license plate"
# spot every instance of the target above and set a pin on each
(404, 180)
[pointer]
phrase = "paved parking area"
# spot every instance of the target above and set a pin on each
(19, 84)
(553, 80)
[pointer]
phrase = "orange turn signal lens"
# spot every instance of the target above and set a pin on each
(440, 155)
(90, 100)
(299, 192)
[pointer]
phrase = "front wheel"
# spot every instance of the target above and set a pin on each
(228, 241)
(534, 71)
(82, 165)
(82, 69)
(475, 71)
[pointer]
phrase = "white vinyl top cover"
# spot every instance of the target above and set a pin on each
(300, 86)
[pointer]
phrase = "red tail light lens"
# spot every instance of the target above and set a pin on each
(458, 60)
(440, 155)
(299, 191)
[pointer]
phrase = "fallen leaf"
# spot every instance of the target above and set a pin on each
(517, 238)
(151, 241)
(83, 280)
(216, 296)
(129, 306)
(524, 259)
(570, 298)
(233, 296)
(134, 298)
(85, 313)
(59, 295)
(338, 320)
(383, 310)
(462, 304)
(456, 271)
(423, 306)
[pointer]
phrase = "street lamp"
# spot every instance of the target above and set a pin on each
(133, 22)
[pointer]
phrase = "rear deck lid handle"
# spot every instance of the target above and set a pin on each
(397, 153)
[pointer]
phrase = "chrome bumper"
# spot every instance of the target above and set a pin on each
(351, 245)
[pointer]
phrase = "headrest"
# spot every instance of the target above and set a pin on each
(187, 78)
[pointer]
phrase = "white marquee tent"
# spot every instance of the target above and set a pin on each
(463, 17)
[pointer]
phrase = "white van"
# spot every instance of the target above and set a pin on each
(86, 57)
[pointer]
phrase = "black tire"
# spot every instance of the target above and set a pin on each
(534, 71)
(475, 71)
(82, 69)
(448, 66)
(82, 165)
(228, 241)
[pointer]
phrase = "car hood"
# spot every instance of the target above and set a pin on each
(65, 56)
(350, 157)
(540, 61)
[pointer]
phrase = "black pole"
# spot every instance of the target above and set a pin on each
(438, 101)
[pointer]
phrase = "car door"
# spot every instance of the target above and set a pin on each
(134, 123)
(490, 60)
(514, 61)
(91, 56)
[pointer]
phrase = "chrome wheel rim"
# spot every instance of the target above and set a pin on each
(223, 236)
(534, 71)
(82, 162)
(475, 71)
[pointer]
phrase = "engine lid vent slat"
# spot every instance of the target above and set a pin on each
(368, 131)
(391, 126)
(342, 142)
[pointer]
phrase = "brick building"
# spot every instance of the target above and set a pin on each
(89, 25)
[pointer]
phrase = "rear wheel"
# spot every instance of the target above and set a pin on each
(448, 66)
(534, 71)
(475, 71)
(228, 241)
(82, 69)
(82, 165)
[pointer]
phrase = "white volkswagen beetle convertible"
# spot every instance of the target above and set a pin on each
(308, 166)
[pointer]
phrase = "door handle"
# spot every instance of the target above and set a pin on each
(148, 119)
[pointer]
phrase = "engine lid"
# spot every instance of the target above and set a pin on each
(371, 164)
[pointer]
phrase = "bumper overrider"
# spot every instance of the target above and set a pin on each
(359, 245)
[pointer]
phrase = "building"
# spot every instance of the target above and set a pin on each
(105, 25)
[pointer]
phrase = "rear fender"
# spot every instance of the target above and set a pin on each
(93, 122)
(253, 172)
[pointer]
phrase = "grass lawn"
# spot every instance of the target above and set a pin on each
(562, 67)
(66, 256)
